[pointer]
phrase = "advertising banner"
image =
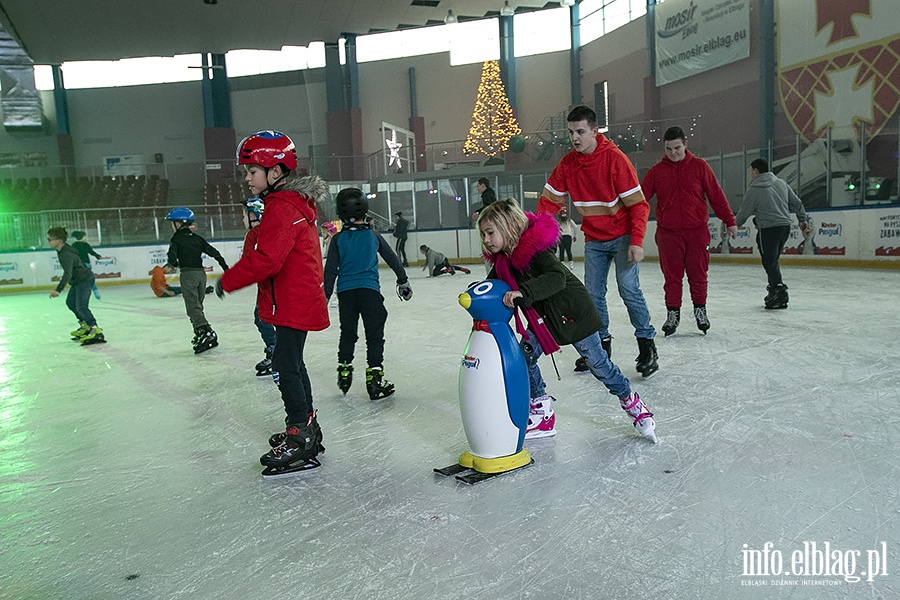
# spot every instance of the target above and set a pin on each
(888, 236)
(693, 36)
(826, 235)
(721, 243)
(797, 241)
(9, 273)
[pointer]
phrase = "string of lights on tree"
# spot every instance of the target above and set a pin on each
(493, 122)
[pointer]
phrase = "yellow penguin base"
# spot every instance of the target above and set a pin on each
(501, 464)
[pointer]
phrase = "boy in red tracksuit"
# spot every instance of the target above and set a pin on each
(682, 184)
(287, 266)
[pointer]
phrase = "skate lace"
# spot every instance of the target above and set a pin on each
(637, 409)
(700, 314)
(280, 449)
(672, 317)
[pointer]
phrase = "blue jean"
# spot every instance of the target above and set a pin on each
(78, 298)
(601, 367)
(266, 330)
(598, 256)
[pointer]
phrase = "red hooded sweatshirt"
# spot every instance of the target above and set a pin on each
(682, 189)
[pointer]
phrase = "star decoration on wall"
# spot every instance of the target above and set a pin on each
(394, 150)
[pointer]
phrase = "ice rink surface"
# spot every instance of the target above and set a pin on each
(129, 470)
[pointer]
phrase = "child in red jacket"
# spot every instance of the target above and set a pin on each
(287, 266)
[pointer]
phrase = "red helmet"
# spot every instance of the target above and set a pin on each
(267, 148)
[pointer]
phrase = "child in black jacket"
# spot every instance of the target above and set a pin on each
(186, 252)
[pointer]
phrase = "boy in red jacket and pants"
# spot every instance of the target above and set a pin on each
(682, 184)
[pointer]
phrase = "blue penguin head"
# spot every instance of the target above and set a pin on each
(484, 301)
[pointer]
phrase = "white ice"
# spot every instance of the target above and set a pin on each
(130, 469)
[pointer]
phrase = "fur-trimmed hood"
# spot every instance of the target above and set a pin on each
(311, 186)
(542, 234)
(312, 190)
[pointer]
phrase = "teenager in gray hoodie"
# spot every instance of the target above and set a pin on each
(771, 201)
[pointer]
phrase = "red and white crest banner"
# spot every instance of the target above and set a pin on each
(838, 64)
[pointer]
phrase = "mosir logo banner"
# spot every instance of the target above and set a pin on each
(838, 64)
(693, 36)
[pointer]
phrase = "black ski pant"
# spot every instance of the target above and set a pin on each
(296, 391)
(565, 247)
(400, 249)
(368, 304)
(771, 241)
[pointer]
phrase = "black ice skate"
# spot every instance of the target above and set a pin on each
(646, 360)
(264, 367)
(778, 297)
(206, 339)
(607, 346)
(581, 365)
(702, 318)
(673, 319)
(296, 452)
(345, 376)
(377, 386)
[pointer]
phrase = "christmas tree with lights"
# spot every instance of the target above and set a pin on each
(493, 122)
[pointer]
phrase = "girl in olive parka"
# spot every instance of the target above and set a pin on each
(519, 247)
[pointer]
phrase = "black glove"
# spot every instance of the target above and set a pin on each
(219, 291)
(404, 290)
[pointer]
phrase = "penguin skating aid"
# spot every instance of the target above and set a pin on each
(493, 389)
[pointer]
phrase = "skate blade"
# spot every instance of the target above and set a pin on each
(264, 375)
(477, 476)
(539, 434)
(650, 374)
(201, 349)
(382, 396)
(291, 471)
(452, 470)
(91, 342)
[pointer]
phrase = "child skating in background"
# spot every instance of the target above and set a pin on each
(438, 264)
(568, 233)
(186, 252)
(286, 266)
(80, 280)
(329, 230)
(353, 261)
(253, 211)
(557, 306)
(85, 252)
(161, 288)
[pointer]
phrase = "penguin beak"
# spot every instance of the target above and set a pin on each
(465, 300)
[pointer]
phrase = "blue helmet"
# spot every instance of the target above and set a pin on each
(180, 213)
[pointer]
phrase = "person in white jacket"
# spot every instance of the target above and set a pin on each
(771, 201)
